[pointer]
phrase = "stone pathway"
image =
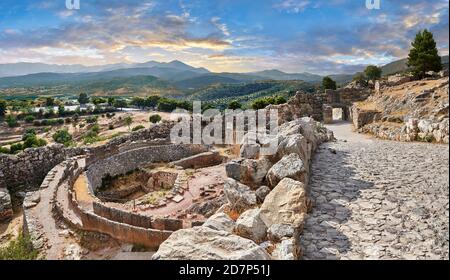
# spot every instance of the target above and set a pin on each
(377, 199)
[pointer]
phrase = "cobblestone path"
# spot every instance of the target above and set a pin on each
(377, 199)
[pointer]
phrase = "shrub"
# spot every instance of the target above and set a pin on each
(33, 142)
(139, 127)
(234, 105)
(62, 136)
(111, 127)
(11, 121)
(28, 133)
(92, 119)
(4, 150)
(128, 121)
(155, 118)
(3, 106)
(95, 128)
(29, 119)
(16, 147)
(19, 249)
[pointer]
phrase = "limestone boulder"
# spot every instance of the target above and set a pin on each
(250, 151)
(261, 193)
(6, 211)
(240, 197)
(285, 204)
(249, 171)
(287, 250)
(221, 222)
(278, 232)
(295, 144)
(290, 166)
(425, 126)
(250, 225)
(203, 243)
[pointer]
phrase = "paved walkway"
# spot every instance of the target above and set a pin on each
(378, 200)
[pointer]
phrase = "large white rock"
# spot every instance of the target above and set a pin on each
(250, 225)
(203, 243)
(239, 196)
(278, 232)
(297, 144)
(287, 250)
(290, 166)
(285, 204)
(249, 151)
(220, 221)
(249, 171)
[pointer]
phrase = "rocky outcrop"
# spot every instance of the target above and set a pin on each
(277, 223)
(6, 211)
(361, 117)
(285, 204)
(405, 110)
(203, 243)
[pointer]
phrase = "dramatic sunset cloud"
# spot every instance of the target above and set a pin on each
(319, 36)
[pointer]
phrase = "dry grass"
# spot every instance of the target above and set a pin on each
(367, 105)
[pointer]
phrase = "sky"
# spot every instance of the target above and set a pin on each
(321, 36)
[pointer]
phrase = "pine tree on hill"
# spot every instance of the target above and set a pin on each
(423, 56)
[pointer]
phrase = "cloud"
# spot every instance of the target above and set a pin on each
(221, 26)
(321, 36)
(295, 6)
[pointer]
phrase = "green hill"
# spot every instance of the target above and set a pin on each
(221, 95)
(400, 66)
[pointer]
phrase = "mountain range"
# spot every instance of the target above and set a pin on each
(175, 73)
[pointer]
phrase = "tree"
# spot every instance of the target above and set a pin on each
(234, 105)
(49, 102)
(360, 79)
(328, 83)
(3, 106)
(83, 99)
(111, 101)
(128, 121)
(98, 100)
(138, 102)
(61, 110)
(120, 103)
(155, 118)
(373, 72)
(152, 101)
(423, 56)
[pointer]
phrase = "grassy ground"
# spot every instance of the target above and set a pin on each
(19, 249)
